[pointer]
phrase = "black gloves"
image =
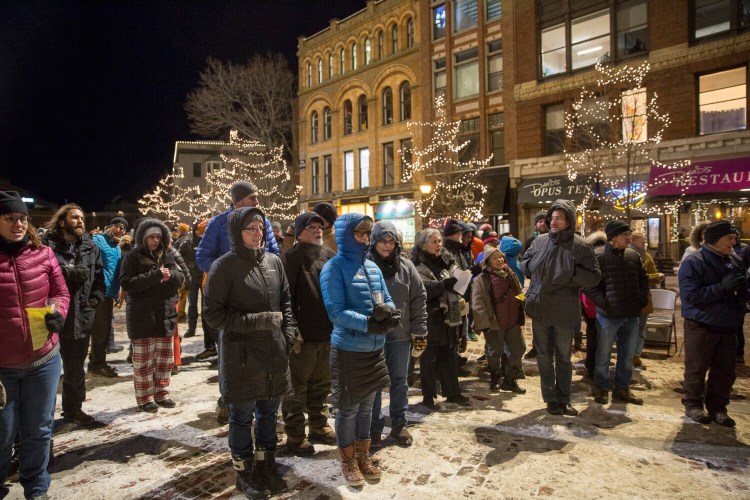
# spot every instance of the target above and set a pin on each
(376, 327)
(732, 282)
(270, 320)
(382, 312)
(380, 327)
(54, 321)
(76, 274)
(450, 283)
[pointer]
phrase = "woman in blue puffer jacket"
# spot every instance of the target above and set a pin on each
(362, 312)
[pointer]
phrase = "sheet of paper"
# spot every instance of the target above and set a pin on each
(464, 278)
(39, 332)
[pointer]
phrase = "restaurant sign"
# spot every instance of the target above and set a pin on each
(545, 190)
(715, 176)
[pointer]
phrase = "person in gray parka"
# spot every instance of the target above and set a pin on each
(408, 293)
(559, 264)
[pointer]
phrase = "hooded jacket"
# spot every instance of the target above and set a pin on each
(511, 248)
(559, 265)
(351, 285)
(404, 285)
(493, 298)
(150, 311)
(623, 290)
(242, 288)
(81, 264)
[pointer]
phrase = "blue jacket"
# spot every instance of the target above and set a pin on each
(111, 257)
(703, 298)
(348, 283)
(215, 242)
(511, 248)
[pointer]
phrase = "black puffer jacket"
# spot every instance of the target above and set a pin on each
(623, 290)
(150, 310)
(81, 264)
(430, 269)
(242, 287)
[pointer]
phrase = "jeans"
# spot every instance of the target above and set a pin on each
(496, 341)
(625, 332)
(192, 312)
(100, 333)
(353, 421)
(30, 412)
(241, 421)
(642, 319)
(310, 372)
(73, 353)
(397, 356)
(707, 350)
(555, 376)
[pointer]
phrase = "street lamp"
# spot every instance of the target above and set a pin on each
(425, 189)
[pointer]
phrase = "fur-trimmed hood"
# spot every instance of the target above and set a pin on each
(596, 239)
(696, 235)
(144, 225)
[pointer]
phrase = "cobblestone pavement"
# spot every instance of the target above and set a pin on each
(505, 446)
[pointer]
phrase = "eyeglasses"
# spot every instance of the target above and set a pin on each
(12, 219)
(368, 233)
(314, 229)
(252, 229)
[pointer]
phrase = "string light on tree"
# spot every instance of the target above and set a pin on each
(169, 200)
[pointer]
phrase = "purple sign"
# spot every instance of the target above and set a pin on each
(716, 176)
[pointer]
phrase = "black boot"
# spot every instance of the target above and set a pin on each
(578, 341)
(494, 381)
(510, 384)
(249, 480)
(265, 461)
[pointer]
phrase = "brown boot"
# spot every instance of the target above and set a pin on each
(349, 467)
(364, 462)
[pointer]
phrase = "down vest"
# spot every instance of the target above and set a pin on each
(27, 279)
(623, 290)
(349, 284)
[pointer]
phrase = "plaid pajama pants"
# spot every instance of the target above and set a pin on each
(152, 366)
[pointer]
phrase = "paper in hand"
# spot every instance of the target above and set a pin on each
(464, 278)
(37, 325)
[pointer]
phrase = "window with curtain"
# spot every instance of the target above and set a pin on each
(464, 14)
(388, 167)
(314, 127)
(362, 112)
(314, 178)
(364, 168)
(326, 123)
(722, 101)
(405, 101)
(327, 171)
(387, 106)
(367, 51)
(320, 71)
(347, 117)
(354, 56)
(348, 170)
(410, 33)
(380, 45)
(554, 129)
(495, 66)
(466, 82)
(394, 38)
(438, 22)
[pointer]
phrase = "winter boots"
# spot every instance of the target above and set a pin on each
(349, 467)
(259, 478)
(494, 381)
(364, 462)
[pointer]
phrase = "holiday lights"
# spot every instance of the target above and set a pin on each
(169, 201)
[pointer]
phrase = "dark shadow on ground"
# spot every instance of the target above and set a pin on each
(714, 446)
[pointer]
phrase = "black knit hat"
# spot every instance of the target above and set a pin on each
(10, 202)
(327, 211)
(452, 227)
(241, 190)
(540, 216)
(119, 220)
(303, 220)
(717, 230)
(615, 227)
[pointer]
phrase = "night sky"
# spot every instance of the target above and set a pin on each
(92, 93)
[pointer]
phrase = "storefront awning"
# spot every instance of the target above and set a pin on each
(717, 176)
(545, 190)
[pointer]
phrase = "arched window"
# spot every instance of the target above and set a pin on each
(342, 57)
(405, 98)
(314, 127)
(326, 124)
(354, 56)
(410, 33)
(362, 112)
(347, 117)
(330, 66)
(320, 70)
(387, 106)
(394, 38)
(309, 75)
(380, 45)
(367, 51)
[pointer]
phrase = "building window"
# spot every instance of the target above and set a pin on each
(554, 129)
(362, 112)
(464, 14)
(468, 134)
(715, 17)
(309, 75)
(722, 101)
(348, 170)
(467, 74)
(410, 33)
(394, 38)
(406, 154)
(327, 178)
(440, 78)
(330, 66)
(553, 51)
(354, 56)
(438, 22)
(314, 127)
(388, 169)
(495, 123)
(380, 45)
(367, 51)
(405, 97)
(364, 168)
(347, 117)
(634, 105)
(213, 166)
(197, 168)
(632, 29)
(314, 180)
(495, 66)
(493, 10)
(326, 124)
(589, 36)
(342, 58)
(320, 70)
(387, 106)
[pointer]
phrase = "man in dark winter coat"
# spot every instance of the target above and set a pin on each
(559, 264)
(619, 297)
(714, 293)
(308, 362)
(540, 227)
(81, 263)
(461, 253)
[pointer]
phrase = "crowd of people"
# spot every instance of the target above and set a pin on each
(337, 307)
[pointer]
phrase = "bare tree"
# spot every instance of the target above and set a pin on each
(168, 200)
(253, 98)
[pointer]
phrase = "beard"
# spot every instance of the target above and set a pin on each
(72, 230)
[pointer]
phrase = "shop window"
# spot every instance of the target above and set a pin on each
(330, 66)
(348, 170)
(380, 45)
(347, 117)
(632, 29)
(589, 37)
(410, 33)
(394, 38)
(320, 71)
(405, 98)
(367, 51)
(314, 178)
(440, 79)
(554, 129)
(327, 177)
(495, 66)
(326, 123)
(388, 167)
(493, 10)
(387, 106)
(634, 114)
(354, 56)
(342, 58)
(362, 112)
(314, 127)
(309, 75)
(467, 74)
(364, 168)
(438, 22)
(722, 101)
(464, 14)
(197, 168)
